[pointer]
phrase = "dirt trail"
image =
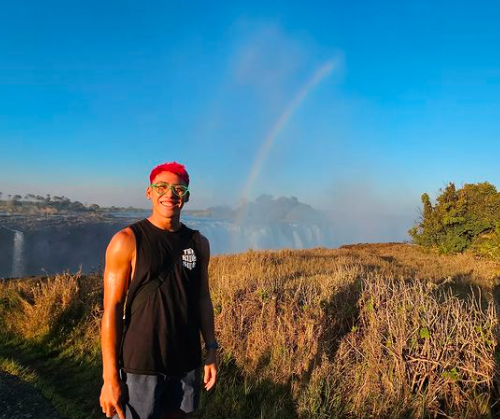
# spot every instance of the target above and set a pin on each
(19, 400)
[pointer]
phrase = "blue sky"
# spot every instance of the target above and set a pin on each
(94, 94)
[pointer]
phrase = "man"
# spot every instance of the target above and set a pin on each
(160, 268)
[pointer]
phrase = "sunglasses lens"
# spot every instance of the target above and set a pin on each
(179, 190)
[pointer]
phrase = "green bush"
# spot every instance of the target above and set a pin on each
(467, 218)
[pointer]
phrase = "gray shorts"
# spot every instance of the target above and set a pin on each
(149, 396)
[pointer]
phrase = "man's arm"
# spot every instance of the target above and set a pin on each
(119, 256)
(207, 315)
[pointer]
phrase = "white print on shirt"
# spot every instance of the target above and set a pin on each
(189, 259)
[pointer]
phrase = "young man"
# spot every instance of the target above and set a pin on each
(151, 371)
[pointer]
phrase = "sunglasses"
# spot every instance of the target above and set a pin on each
(178, 190)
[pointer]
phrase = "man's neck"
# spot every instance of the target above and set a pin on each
(169, 224)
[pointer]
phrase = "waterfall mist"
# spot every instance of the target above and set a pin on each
(17, 257)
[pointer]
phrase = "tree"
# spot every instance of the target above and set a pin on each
(16, 200)
(460, 219)
(78, 206)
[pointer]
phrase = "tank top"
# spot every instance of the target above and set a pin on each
(163, 335)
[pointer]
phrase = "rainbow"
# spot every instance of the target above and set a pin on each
(282, 121)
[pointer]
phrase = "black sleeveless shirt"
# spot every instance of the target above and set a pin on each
(163, 335)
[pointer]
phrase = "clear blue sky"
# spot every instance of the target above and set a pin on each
(93, 94)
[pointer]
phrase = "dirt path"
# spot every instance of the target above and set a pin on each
(19, 400)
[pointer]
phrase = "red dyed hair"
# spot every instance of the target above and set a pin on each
(172, 167)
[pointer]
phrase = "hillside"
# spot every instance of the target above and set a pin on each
(386, 330)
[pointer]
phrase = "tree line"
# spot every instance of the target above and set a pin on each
(33, 203)
(461, 219)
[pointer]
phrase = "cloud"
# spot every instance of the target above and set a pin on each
(366, 212)
(274, 64)
(266, 58)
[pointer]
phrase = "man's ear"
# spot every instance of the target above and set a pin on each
(149, 192)
(186, 198)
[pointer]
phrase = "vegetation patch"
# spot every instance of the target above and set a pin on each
(467, 218)
(364, 331)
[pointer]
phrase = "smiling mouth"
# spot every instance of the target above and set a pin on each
(169, 204)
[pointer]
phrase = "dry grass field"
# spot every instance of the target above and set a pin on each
(364, 331)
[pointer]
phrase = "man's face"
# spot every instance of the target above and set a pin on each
(168, 205)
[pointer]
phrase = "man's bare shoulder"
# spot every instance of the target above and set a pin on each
(122, 244)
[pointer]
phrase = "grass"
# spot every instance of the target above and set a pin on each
(365, 331)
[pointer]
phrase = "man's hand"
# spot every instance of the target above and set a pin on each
(110, 400)
(210, 369)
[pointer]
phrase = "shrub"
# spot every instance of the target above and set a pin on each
(467, 218)
(419, 350)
